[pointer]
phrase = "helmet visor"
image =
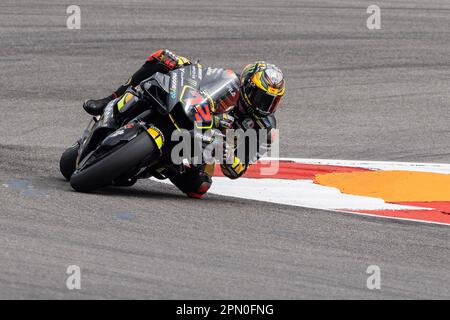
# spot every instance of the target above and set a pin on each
(262, 101)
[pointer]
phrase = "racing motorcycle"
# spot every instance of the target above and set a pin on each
(132, 139)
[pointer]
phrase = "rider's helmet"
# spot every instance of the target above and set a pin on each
(262, 87)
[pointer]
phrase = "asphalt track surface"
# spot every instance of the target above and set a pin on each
(352, 94)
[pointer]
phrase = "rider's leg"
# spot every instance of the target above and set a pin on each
(96, 107)
(194, 182)
(160, 61)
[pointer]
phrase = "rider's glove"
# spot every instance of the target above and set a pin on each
(234, 170)
(223, 121)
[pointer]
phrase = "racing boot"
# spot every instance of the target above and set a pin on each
(96, 107)
(193, 182)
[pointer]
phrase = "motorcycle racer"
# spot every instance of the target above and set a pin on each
(260, 88)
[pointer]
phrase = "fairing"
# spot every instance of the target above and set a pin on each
(203, 90)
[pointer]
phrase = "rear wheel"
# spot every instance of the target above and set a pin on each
(134, 154)
(67, 163)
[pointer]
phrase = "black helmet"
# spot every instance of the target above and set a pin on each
(262, 86)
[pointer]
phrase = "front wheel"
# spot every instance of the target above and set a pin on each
(133, 155)
(67, 163)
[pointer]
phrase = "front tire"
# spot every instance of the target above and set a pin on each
(141, 150)
(67, 163)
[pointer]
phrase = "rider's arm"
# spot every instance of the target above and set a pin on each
(238, 167)
(160, 61)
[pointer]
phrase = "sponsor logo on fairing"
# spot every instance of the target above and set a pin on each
(173, 85)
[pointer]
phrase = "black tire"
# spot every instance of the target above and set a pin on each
(67, 163)
(101, 174)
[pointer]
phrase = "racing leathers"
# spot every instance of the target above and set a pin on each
(196, 180)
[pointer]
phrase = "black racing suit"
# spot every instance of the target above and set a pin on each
(196, 180)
